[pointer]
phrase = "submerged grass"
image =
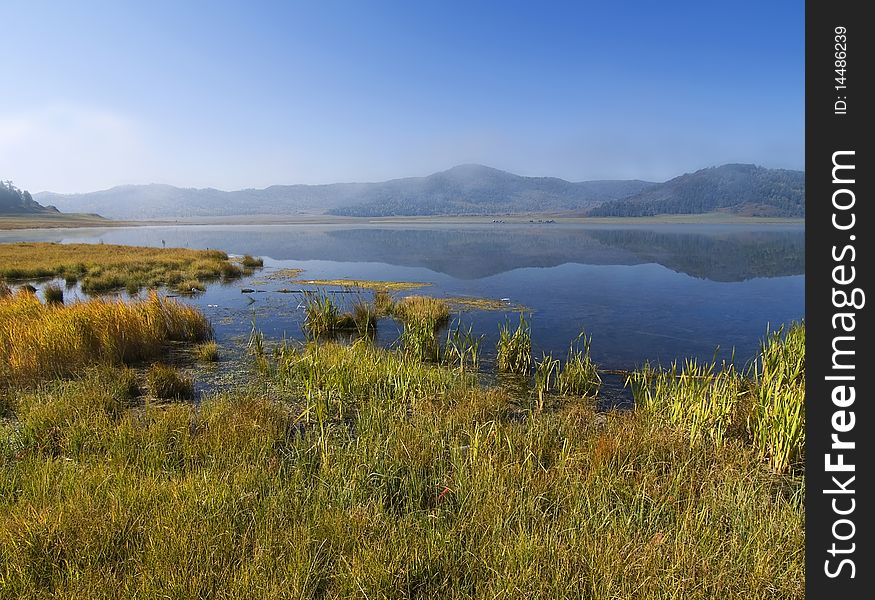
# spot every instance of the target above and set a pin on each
(107, 267)
(40, 341)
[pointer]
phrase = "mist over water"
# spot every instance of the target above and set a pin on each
(645, 292)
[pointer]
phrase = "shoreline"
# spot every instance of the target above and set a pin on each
(15, 223)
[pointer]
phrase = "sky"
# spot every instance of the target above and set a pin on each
(234, 95)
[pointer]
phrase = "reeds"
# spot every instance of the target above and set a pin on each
(39, 341)
(462, 348)
(404, 481)
(765, 409)
(515, 348)
(579, 375)
(777, 419)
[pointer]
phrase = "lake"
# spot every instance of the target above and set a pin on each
(644, 292)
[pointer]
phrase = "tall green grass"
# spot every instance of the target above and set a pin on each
(765, 409)
(515, 347)
(446, 495)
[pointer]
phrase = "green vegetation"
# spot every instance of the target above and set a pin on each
(721, 406)
(579, 376)
(166, 382)
(250, 262)
(40, 341)
(105, 267)
(741, 189)
(207, 352)
(349, 470)
(355, 471)
(515, 348)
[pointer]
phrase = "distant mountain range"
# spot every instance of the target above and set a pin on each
(461, 190)
(14, 201)
(737, 188)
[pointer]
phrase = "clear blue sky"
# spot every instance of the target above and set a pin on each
(248, 94)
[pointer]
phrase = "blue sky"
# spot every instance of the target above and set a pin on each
(249, 94)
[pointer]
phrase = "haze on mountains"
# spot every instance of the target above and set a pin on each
(14, 201)
(462, 190)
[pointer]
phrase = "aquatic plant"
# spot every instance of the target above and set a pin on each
(462, 348)
(720, 404)
(579, 375)
(422, 310)
(53, 293)
(546, 372)
(515, 347)
(166, 382)
(207, 352)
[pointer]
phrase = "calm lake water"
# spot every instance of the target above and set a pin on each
(648, 292)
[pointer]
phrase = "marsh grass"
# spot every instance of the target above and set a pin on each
(367, 474)
(54, 294)
(207, 352)
(250, 262)
(425, 310)
(462, 348)
(514, 351)
(106, 267)
(721, 405)
(39, 341)
(579, 375)
(546, 372)
(166, 382)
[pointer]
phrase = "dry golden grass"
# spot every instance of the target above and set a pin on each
(422, 309)
(104, 267)
(39, 341)
(367, 284)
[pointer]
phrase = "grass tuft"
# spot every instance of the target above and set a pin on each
(169, 383)
(39, 341)
(515, 348)
(207, 352)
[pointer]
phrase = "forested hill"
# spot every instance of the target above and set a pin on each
(480, 190)
(735, 188)
(14, 201)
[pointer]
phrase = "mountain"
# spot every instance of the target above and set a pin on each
(479, 190)
(466, 189)
(463, 190)
(735, 188)
(14, 201)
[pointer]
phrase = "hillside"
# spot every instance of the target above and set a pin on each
(14, 201)
(463, 190)
(479, 190)
(736, 188)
